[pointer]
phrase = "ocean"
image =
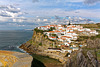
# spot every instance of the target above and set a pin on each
(12, 39)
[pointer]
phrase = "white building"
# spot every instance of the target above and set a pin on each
(52, 38)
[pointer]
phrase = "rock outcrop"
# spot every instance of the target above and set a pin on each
(83, 60)
(15, 59)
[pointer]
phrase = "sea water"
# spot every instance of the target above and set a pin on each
(12, 39)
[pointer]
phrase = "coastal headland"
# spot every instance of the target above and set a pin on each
(14, 59)
(65, 43)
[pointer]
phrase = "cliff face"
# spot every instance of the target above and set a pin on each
(83, 60)
(43, 39)
(87, 56)
(38, 42)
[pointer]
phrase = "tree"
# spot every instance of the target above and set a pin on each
(51, 29)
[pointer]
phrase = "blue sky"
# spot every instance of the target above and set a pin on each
(18, 14)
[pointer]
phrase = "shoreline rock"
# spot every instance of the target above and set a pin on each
(15, 59)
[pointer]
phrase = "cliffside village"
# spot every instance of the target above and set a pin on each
(66, 34)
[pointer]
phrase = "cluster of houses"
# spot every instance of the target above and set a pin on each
(66, 33)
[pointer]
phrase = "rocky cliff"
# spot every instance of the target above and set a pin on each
(86, 57)
(39, 42)
(83, 60)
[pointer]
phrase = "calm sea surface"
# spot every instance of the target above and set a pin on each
(11, 40)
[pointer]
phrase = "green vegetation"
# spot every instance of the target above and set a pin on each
(65, 26)
(38, 31)
(90, 25)
(51, 40)
(98, 25)
(40, 44)
(98, 31)
(82, 38)
(41, 31)
(51, 29)
(56, 46)
(94, 37)
(53, 35)
(98, 54)
(44, 35)
(30, 41)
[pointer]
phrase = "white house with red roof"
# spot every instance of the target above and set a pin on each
(59, 39)
(43, 27)
(59, 26)
(71, 34)
(65, 39)
(52, 38)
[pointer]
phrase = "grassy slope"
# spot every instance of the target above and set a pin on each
(90, 25)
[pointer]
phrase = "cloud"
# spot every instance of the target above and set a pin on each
(91, 1)
(9, 11)
(10, 8)
(34, 1)
(13, 9)
(74, 0)
(4, 14)
(3, 6)
(59, 12)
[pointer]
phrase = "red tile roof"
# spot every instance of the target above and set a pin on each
(51, 37)
(66, 37)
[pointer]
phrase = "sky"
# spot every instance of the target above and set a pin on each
(19, 14)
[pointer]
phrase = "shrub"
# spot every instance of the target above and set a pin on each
(67, 54)
(51, 29)
(40, 44)
(38, 31)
